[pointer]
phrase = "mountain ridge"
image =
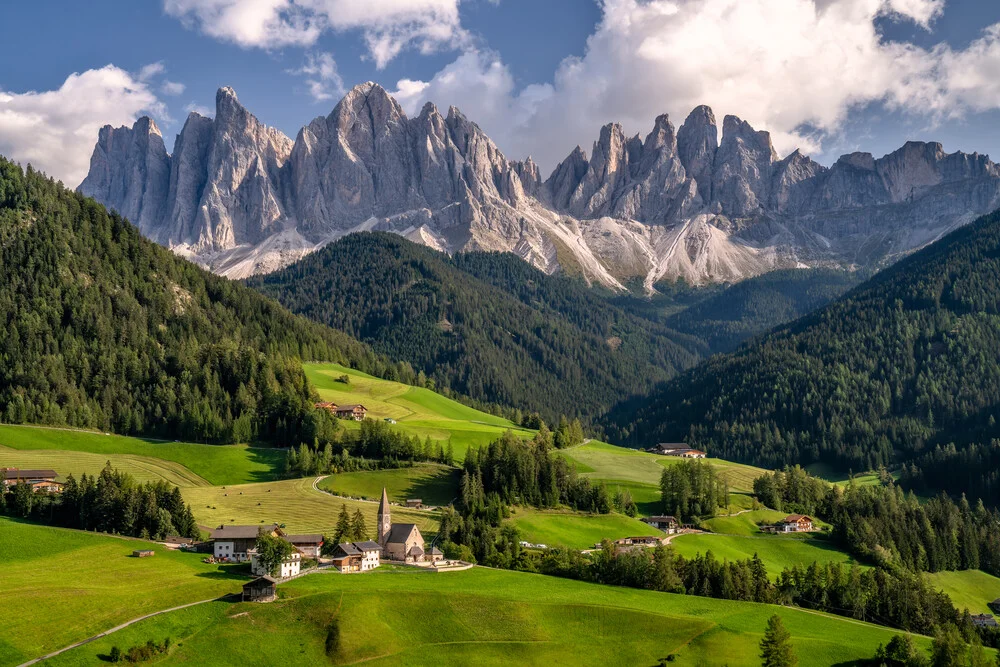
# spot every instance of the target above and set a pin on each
(242, 198)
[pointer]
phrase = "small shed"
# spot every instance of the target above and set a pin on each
(261, 589)
(143, 553)
(414, 503)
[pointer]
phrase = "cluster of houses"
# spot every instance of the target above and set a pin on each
(40, 481)
(399, 542)
(677, 449)
(350, 412)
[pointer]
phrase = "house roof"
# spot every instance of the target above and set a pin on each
(792, 518)
(28, 474)
(239, 532)
(660, 519)
(368, 545)
(263, 579)
(436, 552)
(416, 551)
(304, 539)
(401, 531)
(351, 407)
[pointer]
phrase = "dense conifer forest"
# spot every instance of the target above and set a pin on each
(100, 328)
(487, 325)
(897, 366)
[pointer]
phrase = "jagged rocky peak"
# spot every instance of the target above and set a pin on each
(529, 174)
(697, 143)
(564, 179)
(741, 176)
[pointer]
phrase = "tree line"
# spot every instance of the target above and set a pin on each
(110, 502)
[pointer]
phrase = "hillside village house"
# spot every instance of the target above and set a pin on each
(630, 543)
(290, 567)
(232, 543)
(352, 412)
(793, 523)
(357, 556)
(307, 545)
(39, 480)
(401, 542)
(677, 449)
(667, 524)
(261, 589)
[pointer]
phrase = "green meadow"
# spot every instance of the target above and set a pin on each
(482, 617)
(292, 502)
(214, 464)
(777, 552)
(969, 589)
(433, 483)
(60, 586)
(575, 529)
(417, 411)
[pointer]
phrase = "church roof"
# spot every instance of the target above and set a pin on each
(400, 531)
(383, 506)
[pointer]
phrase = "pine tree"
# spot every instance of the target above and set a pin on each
(343, 528)
(776, 646)
(359, 531)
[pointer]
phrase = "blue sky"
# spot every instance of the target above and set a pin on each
(830, 76)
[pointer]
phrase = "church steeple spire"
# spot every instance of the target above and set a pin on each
(384, 519)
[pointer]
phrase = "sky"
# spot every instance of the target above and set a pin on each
(540, 76)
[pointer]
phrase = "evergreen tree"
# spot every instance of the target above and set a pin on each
(776, 647)
(342, 531)
(359, 531)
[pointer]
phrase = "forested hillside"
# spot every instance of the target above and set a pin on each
(486, 325)
(100, 328)
(905, 361)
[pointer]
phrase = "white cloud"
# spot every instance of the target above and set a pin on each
(55, 130)
(200, 109)
(388, 26)
(794, 67)
(322, 78)
(151, 71)
(172, 88)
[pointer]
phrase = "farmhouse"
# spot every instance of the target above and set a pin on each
(793, 523)
(39, 480)
(261, 589)
(677, 449)
(630, 543)
(352, 412)
(984, 621)
(290, 567)
(357, 556)
(307, 545)
(414, 503)
(324, 405)
(667, 524)
(399, 542)
(232, 543)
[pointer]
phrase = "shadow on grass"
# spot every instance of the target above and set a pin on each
(439, 489)
(233, 572)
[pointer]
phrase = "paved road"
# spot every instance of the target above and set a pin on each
(117, 628)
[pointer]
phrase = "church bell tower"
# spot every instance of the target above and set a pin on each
(384, 520)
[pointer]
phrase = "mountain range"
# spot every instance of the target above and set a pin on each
(242, 198)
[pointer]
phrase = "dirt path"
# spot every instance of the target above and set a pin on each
(117, 628)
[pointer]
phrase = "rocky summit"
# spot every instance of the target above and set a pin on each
(242, 198)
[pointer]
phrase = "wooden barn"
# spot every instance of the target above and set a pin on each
(261, 589)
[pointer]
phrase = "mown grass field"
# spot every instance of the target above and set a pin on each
(60, 586)
(777, 552)
(971, 589)
(293, 502)
(484, 617)
(434, 484)
(143, 468)
(417, 411)
(574, 529)
(216, 464)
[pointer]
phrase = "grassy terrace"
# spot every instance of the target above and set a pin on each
(971, 589)
(61, 586)
(573, 529)
(433, 483)
(777, 552)
(484, 617)
(417, 411)
(213, 464)
(293, 502)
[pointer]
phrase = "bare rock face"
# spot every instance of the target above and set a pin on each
(242, 198)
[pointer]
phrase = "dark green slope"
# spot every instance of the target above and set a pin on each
(101, 328)
(909, 359)
(486, 325)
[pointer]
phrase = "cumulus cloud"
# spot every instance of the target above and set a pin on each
(172, 88)
(322, 77)
(200, 109)
(55, 130)
(794, 67)
(388, 26)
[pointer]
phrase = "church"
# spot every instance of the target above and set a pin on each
(401, 542)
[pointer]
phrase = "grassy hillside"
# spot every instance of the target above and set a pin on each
(292, 502)
(970, 589)
(433, 483)
(485, 617)
(777, 552)
(61, 586)
(216, 464)
(574, 529)
(417, 411)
